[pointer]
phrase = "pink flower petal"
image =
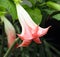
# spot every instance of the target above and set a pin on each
(42, 31)
(37, 40)
(25, 43)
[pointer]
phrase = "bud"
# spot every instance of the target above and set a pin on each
(9, 30)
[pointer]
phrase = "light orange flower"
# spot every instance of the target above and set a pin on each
(30, 30)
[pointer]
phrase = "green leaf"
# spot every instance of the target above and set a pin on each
(35, 15)
(2, 9)
(53, 5)
(39, 0)
(57, 17)
(10, 7)
(49, 11)
(33, 1)
(47, 49)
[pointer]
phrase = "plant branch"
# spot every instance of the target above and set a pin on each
(9, 50)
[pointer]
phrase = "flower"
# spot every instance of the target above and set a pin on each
(9, 30)
(30, 30)
(26, 35)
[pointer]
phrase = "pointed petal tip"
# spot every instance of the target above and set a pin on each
(37, 40)
(46, 29)
(49, 27)
(21, 46)
(19, 35)
(25, 43)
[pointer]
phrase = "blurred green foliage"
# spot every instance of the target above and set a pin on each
(39, 11)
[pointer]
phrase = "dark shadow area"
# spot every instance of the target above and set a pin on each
(53, 35)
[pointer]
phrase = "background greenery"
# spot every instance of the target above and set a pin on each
(44, 13)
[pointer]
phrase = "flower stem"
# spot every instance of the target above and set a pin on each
(9, 50)
(17, 1)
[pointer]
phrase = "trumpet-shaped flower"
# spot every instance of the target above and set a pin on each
(9, 30)
(30, 30)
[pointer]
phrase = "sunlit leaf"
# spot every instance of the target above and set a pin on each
(10, 7)
(57, 17)
(53, 5)
(35, 15)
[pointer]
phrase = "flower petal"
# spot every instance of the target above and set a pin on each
(30, 30)
(37, 40)
(26, 16)
(25, 43)
(42, 31)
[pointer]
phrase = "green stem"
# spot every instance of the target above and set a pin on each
(17, 1)
(9, 50)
